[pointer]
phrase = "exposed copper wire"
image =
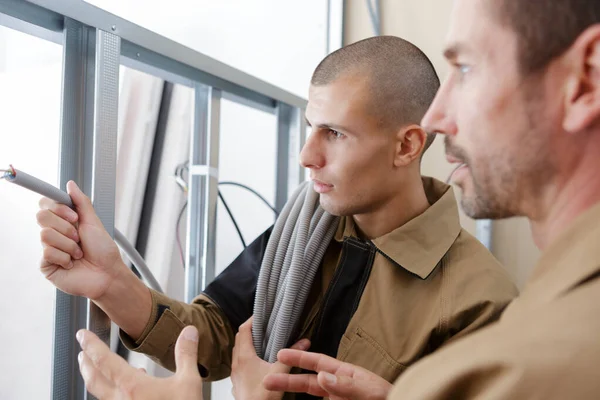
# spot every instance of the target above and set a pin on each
(8, 173)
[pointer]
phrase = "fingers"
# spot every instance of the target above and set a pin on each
(56, 240)
(302, 344)
(350, 388)
(244, 346)
(113, 367)
(83, 205)
(95, 382)
(47, 218)
(62, 211)
(327, 385)
(52, 259)
(309, 361)
(186, 351)
(297, 383)
(58, 236)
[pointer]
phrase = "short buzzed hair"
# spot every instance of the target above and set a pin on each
(545, 28)
(403, 80)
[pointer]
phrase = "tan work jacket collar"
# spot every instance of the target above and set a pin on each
(573, 258)
(418, 245)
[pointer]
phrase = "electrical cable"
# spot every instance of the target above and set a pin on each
(27, 181)
(8, 173)
(237, 228)
(182, 183)
(252, 191)
(177, 237)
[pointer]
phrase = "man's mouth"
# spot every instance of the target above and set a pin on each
(321, 187)
(456, 156)
(459, 167)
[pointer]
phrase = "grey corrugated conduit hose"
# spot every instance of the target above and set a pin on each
(45, 189)
(296, 247)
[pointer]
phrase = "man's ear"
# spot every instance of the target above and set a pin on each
(582, 102)
(410, 144)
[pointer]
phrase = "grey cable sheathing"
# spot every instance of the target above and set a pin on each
(45, 189)
(296, 247)
(137, 260)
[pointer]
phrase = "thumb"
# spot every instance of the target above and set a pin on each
(83, 205)
(348, 388)
(279, 367)
(244, 337)
(186, 351)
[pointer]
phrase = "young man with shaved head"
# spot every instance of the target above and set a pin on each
(398, 279)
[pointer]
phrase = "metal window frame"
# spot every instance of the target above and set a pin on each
(88, 132)
(202, 195)
(95, 43)
(76, 145)
(291, 135)
(374, 9)
(203, 191)
(335, 25)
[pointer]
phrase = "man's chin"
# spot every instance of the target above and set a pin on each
(332, 208)
(476, 208)
(473, 206)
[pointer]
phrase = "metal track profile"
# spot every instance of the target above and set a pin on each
(203, 190)
(105, 152)
(291, 135)
(335, 25)
(76, 143)
(202, 195)
(297, 136)
(88, 156)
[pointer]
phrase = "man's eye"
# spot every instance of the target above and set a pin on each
(336, 134)
(464, 69)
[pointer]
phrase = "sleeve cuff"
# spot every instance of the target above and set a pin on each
(161, 332)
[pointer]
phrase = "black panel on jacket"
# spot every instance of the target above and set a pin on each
(342, 298)
(234, 289)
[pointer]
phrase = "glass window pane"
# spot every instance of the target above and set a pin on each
(30, 95)
(280, 42)
(247, 155)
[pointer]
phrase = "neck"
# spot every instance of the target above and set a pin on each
(576, 193)
(406, 205)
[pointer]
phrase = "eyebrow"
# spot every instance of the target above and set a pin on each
(453, 51)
